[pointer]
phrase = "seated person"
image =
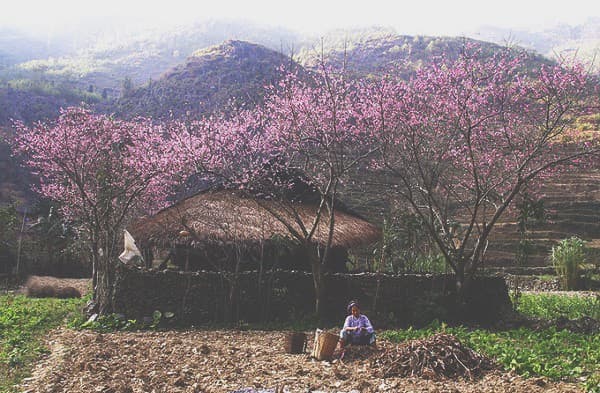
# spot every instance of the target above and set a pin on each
(357, 328)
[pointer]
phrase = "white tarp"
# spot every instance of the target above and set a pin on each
(131, 255)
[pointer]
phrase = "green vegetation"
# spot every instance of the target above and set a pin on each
(559, 355)
(50, 88)
(548, 306)
(568, 256)
(23, 324)
(406, 247)
(117, 322)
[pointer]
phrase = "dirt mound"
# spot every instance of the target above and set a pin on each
(439, 356)
(45, 286)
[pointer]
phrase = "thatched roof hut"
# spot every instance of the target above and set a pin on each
(226, 216)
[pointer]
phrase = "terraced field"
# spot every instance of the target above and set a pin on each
(573, 207)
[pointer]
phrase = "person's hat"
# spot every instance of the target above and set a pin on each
(352, 304)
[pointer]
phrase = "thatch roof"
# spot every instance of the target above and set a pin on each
(227, 216)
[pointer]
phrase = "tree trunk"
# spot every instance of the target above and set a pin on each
(463, 284)
(105, 285)
(460, 279)
(107, 278)
(317, 273)
(94, 275)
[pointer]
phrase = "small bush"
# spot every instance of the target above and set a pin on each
(567, 258)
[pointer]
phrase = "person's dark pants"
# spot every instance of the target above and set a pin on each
(360, 339)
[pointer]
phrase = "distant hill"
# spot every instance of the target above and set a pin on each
(16, 47)
(582, 41)
(33, 101)
(376, 51)
(207, 81)
(104, 59)
(239, 70)
(104, 55)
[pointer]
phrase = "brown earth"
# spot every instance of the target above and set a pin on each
(226, 361)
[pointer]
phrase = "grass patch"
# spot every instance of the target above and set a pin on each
(23, 323)
(552, 306)
(558, 355)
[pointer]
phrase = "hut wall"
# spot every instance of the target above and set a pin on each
(389, 300)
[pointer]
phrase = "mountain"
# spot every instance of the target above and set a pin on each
(116, 52)
(206, 81)
(582, 41)
(376, 51)
(239, 70)
(105, 54)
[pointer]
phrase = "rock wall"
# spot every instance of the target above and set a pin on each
(391, 300)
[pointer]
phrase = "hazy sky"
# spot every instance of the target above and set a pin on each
(411, 17)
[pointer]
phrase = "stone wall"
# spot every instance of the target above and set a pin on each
(201, 297)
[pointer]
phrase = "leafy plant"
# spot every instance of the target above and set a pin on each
(550, 306)
(118, 322)
(530, 212)
(567, 258)
(405, 246)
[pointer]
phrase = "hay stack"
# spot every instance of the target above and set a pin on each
(41, 287)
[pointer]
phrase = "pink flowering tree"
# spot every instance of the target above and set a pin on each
(320, 124)
(463, 138)
(101, 171)
(312, 130)
(231, 148)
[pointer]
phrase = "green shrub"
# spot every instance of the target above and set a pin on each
(567, 258)
(429, 264)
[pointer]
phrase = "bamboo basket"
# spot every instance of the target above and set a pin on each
(324, 345)
(295, 342)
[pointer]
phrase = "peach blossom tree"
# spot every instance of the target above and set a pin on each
(101, 171)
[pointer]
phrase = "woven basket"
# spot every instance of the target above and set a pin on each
(295, 342)
(324, 345)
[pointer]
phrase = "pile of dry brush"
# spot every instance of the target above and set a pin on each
(37, 286)
(439, 356)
